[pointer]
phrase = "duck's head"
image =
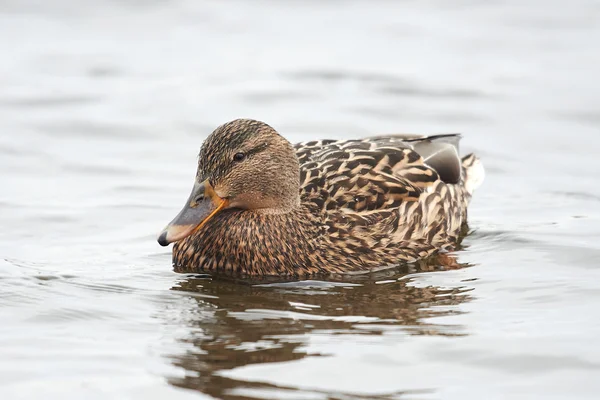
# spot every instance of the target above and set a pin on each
(243, 164)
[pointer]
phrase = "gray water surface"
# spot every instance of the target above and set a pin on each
(104, 105)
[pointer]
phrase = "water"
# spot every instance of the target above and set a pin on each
(103, 107)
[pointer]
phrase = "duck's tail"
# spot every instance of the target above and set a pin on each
(474, 172)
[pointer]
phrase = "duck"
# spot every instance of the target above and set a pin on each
(263, 207)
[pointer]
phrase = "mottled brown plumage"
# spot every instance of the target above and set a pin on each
(332, 206)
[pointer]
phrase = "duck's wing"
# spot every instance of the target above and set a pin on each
(440, 151)
(391, 154)
(365, 180)
(386, 192)
(377, 174)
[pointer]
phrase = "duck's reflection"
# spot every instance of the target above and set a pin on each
(249, 324)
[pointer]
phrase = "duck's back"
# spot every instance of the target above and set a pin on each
(389, 198)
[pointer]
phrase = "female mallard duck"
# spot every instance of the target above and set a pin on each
(261, 206)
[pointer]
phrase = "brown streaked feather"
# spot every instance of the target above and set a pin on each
(391, 185)
(439, 151)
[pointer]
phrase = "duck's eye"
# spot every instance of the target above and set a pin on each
(239, 157)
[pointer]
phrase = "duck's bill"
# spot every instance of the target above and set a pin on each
(201, 206)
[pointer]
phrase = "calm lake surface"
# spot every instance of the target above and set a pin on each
(104, 106)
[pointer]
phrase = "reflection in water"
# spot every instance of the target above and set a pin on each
(236, 325)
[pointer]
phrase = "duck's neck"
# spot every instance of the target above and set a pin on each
(250, 243)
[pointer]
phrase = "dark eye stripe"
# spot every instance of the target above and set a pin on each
(257, 149)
